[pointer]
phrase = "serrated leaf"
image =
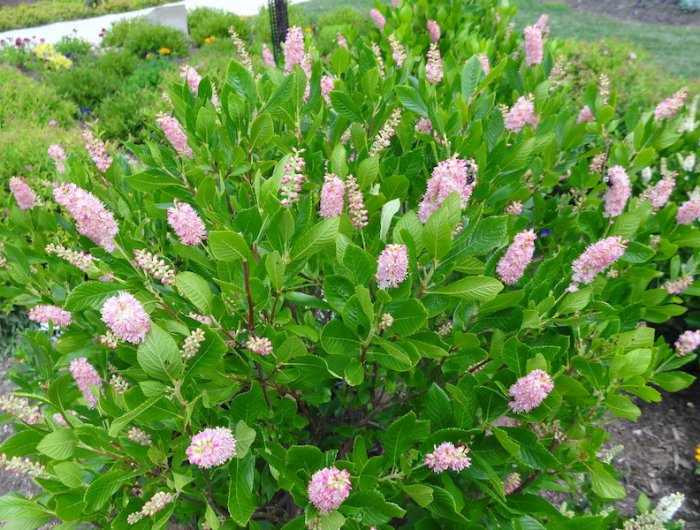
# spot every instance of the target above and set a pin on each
(472, 288)
(91, 295)
(195, 289)
(58, 445)
(159, 355)
(228, 246)
(241, 499)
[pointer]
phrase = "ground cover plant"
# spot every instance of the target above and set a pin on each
(401, 286)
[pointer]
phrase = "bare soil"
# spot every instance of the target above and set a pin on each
(665, 13)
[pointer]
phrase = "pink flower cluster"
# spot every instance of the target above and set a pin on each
(512, 265)
(533, 45)
(126, 317)
(85, 375)
(342, 41)
(668, 108)
(679, 285)
(392, 266)
(212, 447)
(22, 466)
(192, 344)
(595, 259)
(433, 69)
(175, 135)
(662, 191)
(688, 212)
(261, 345)
(356, 203)
(484, 63)
(387, 321)
(97, 151)
(294, 49)
(511, 483)
(191, 77)
(157, 268)
(81, 259)
(242, 51)
(58, 155)
(50, 313)
(119, 384)
(378, 18)
(190, 229)
(514, 208)
(530, 391)
(156, 504)
(433, 30)
(522, 113)
(448, 176)
(398, 52)
(332, 194)
(585, 115)
(383, 138)
(292, 179)
(25, 197)
(20, 408)
(328, 488)
(139, 436)
(424, 125)
(447, 456)
(327, 86)
(92, 219)
(268, 57)
(688, 342)
(618, 192)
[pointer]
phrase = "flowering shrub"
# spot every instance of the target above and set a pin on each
(291, 317)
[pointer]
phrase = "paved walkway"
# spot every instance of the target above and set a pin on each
(90, 28)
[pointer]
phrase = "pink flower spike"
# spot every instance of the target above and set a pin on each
(97, 151)
(618, 192)
(688, 342)
(688, 212)
(332, 194)
(533, 45)
(433, 68)
(383, 138)
(522, 113)
(212, 447)
(585, 115)
(85, 375)
(25, 197)
(448, 176)
(327, 86)
(328, 488)
(293, 178)
(268, 57)
(58, 155)
(126, 317)
(484, 63)
(678, 286)
(512, 265)
(342, 41)
(595, 259)
(175, 135)
(188, 226)
(530, 391)
(261, 345)
(398, 52)
(92, 219)
(395, 3)
(294, 49)
(433, 30)
(50, 313)
(191, 76)
(378, 18)
(661, 192)
(511, 483)
(668, 108)
(356, 203)
(392, 266)
(447, 456)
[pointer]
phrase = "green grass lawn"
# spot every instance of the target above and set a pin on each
(676, 48)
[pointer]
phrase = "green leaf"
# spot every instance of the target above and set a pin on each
(14, 506)
(69, 473)
(91, 295)
(69, 506)
(274, 265)
(354, 372)
(261, 132)
(345, 106)
(604, 484)
(101, 489)
(118, 424)
(336, 290)
(324, 233)
(410, 98)
(622, 407)
(195, 289)
(58, 445)
(337, 338)
(575, 301)
(437, 235)
(250, 406)
(304, 458)
(228, 246)
(403, 434)
(420, 493)
(241, 499)
(471, 73)
(638, 253)
(472, 288)
(368, 171)
(159, 355)
(210, 353)
(388, 211)
(673, 381)
(245, 436)
(436, 408)
(409, 317)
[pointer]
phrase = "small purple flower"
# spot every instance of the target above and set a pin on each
(545, 233)
(84, 110)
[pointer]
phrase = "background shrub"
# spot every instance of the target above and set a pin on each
(138, 36)
(205, 22)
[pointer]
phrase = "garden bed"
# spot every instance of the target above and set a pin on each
(651, 12)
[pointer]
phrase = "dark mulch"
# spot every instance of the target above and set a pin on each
(649, 11)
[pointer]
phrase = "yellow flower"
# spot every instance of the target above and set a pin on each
(148, 56)
(245, 19)
(207, 40)
(308, 30)
(697, 454)
(213, 37)
(164, 51)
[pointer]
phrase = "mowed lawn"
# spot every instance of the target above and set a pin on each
(675, 48)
